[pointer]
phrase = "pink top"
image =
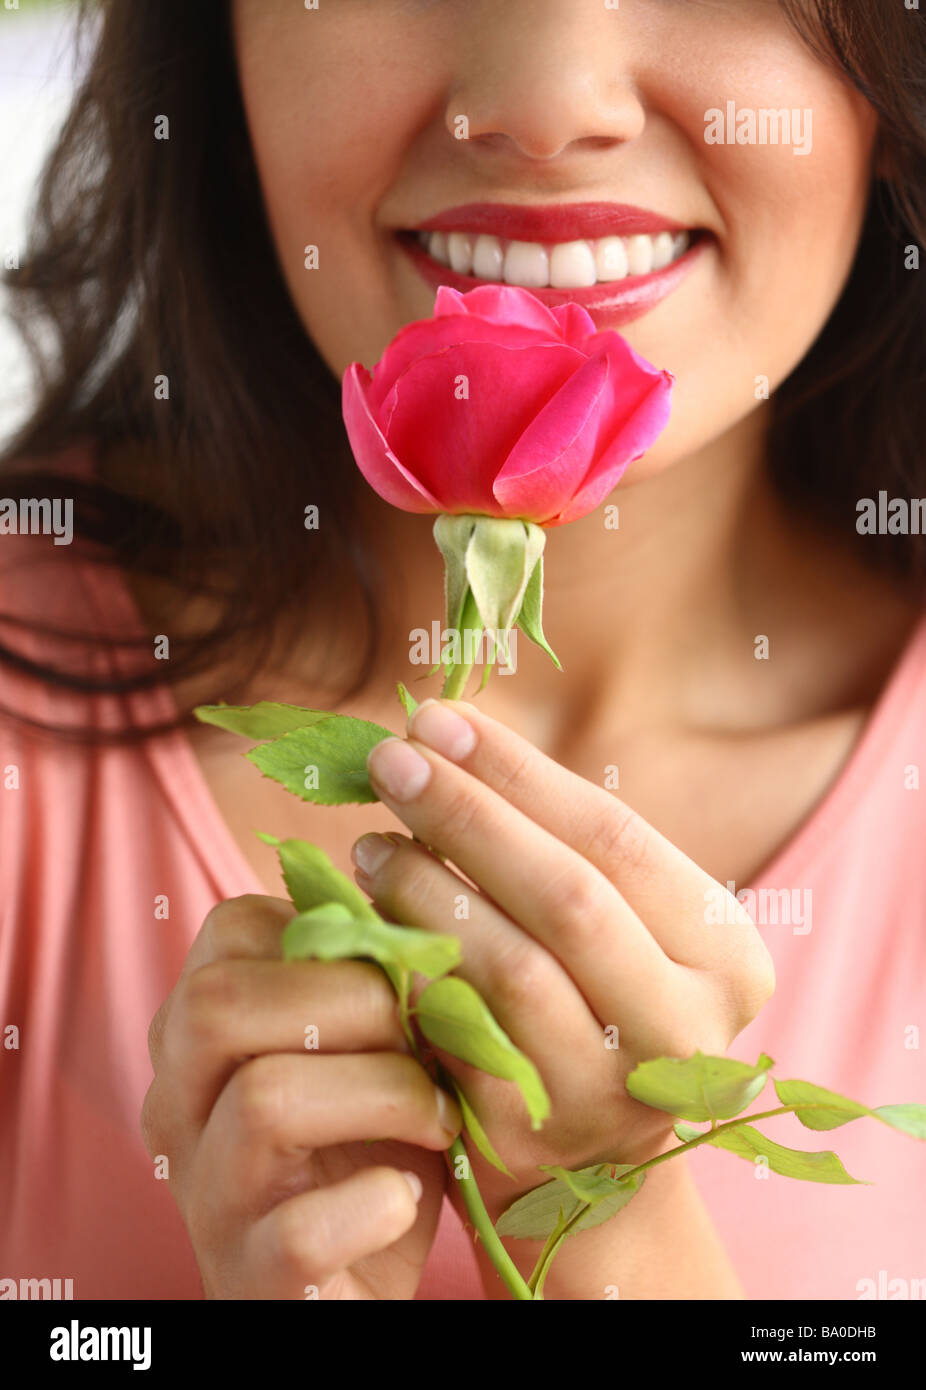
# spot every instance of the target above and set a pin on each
(91, 838)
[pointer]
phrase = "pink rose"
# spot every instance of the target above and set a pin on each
(550, 415)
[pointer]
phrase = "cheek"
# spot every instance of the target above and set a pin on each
(788, 226)
(325, 159)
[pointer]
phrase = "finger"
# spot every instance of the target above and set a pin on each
(672, 894)
(527, 989)
(542, 884)
(276, 1110)
(249, 926)
(307, 1240)
(232, 1009)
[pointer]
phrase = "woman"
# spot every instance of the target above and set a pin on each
(234, 215)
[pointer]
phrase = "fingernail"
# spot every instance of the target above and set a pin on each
(370, 853)
(414, 1183)
(442, 729)
(445, 1114)
(400, 771)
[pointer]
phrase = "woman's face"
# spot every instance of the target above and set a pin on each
(371, 119)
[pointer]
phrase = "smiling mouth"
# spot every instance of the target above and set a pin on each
(616, 279)
(565, 265)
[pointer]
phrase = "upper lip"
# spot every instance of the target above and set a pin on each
(552, 222)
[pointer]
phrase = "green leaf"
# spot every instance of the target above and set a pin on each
(534, 1216)
(311, 878)
(476, 1132)
(453, 1016)
(750, 1143)
(909, 1118)
(331, 932)
(263, 720)
(530, 616)
(838, 1109)
(337, 747)
(406, 699)
(698, 1087)
(830, 1110)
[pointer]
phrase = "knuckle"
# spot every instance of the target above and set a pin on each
(516, 980)
(619, 840)
(579, 901)
(259, 1097)
(300, 1240)
(510, 774)
(756, 983)
(459, 812)
(211, 996)
(231, 920)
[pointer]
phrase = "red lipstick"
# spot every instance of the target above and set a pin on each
(555, 222)
(610, 303)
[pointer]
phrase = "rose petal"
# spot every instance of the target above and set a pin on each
(630, 441)
(382, 470)
(501, 304)
(576, 327)
(457, 447)
(426, 337)
(553, 455)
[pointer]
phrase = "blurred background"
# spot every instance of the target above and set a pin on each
(38, 72)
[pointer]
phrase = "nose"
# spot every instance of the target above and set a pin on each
(537, 78)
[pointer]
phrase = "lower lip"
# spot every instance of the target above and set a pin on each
(610, 304)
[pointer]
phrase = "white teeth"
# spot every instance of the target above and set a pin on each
(572, 265)
(640, 255)
(527, 264)
(564, 265)
(662, 250)
(460, 251)
(438, 247)
(611, 258)
(488, 258)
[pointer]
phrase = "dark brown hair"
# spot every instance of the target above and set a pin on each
(151, 258)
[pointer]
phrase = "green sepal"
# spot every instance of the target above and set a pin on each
(406, 699)
(500, 558)
(531, 614)
(453, 534)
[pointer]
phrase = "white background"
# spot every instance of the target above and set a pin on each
(37, 78)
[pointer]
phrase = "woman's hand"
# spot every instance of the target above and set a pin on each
(587, 935)
(279, 1193)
